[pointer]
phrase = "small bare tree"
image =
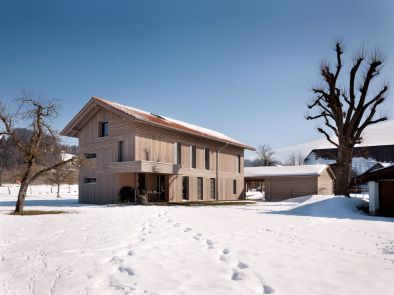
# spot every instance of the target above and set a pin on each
(347, 110)
(300, 158)
(43, 138)
(291, 161)
(265, 155)
(60, 175)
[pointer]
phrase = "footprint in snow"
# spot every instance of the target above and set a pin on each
(237, 276)
(187, 229)
(226, 251)
(242, 265)
(267, 289)
(127, 270)
(130, 253)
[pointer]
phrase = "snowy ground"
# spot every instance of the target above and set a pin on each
(311, 245)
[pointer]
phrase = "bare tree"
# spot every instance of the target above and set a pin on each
(300, 158)
(43, 137)
(60, 175)
(291, 161)
(265, 155)
(347, 110)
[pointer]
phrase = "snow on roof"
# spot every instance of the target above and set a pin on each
(172, 123)
(304, 170)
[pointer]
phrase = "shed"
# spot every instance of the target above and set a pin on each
(381, 190)
(284, 182)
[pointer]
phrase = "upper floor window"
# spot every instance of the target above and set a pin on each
(91, 156)
(193, 155)
(207, 153)
(238, 163)
(177, 153)
(103, 129)
(120, 151)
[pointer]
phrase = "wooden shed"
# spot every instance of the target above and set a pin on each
(284, 182)
(381, 190)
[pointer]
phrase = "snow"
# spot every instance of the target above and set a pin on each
(377, 134)
(302, 170)
(309, 245)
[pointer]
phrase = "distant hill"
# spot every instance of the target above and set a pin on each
(378, 134)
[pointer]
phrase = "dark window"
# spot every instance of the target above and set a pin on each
(234, 186)
(103, 129)
(91, 156)
(177, 153)
(185, 188)
(200, 188)
(120, 151)
(212, 188)
(239, 163)
(89, 180)
(207, 152)
(193, 150)
(141, 182)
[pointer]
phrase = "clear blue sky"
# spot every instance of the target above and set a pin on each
(241, 67)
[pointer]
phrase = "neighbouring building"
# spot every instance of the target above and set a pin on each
(166, 159)
(282, 182)
(364, 157)
(381, 190)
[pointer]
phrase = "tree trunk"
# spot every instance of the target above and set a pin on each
(58, 190)
(343, 170)
(21, 197)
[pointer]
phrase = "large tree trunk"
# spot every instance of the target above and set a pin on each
(21, 197)
(343, 170)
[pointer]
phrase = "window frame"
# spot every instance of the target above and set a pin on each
(212, 188)
(103, 132)
(234, 186)
(193, 156)
(89, 180)
(89, 156)
(177, 153)
(207, 159)
(120, 151)
(200, 188)
(185, 188)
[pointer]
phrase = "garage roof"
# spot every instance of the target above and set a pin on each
(303, 170)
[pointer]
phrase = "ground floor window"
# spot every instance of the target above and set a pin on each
(185, 188)
(200, 188)
(89, 180)
(141, 182)
(234, 186)
(212, 188)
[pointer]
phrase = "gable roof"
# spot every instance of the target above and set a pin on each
(91, 108)
(302, 170)
(378, 174)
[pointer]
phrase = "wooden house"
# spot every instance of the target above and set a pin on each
(166, 159)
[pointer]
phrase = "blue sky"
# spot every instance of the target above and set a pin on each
(241, 67)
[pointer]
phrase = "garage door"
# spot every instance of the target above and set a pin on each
(386, 196)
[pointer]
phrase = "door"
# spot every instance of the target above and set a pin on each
(386, 196)
(161, 187)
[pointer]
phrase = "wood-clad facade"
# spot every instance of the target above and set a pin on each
(152, 158)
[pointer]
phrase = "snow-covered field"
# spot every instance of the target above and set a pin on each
(309, 245)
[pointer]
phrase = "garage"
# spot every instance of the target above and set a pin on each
(283, 182)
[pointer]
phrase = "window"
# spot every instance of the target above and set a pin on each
(200, 188)
(89, 180)
(103, 129)
(185, 188)
(120, 151)
(193, 151)
(207, 153)
(177, 153)
(212, 188)
(234, 186)
(141, 182)
(91, 156)
(239, 163)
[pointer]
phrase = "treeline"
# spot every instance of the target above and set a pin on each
(11, 160)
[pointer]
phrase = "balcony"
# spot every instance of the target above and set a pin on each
(143, 167)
